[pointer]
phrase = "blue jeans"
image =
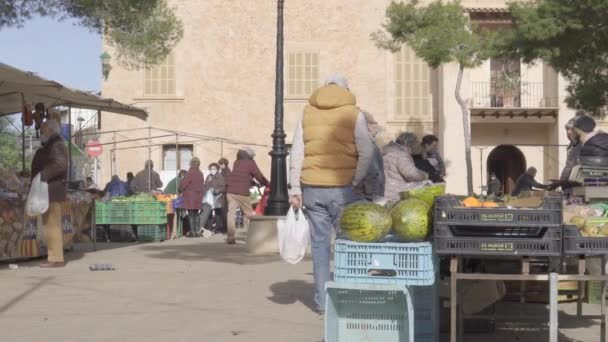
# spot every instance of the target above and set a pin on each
(323, 210)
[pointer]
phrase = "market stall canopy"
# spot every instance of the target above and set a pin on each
(15, 82)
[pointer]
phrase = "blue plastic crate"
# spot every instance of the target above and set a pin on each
(384, 263)
(425, 300)
(364, 312)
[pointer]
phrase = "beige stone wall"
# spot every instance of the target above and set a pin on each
(225, 68)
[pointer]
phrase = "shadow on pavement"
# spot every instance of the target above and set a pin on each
(209, 251)
(292, 291)
(24, 294)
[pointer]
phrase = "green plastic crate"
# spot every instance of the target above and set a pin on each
(366, 312)
(151, 233)
(113, 212)
(594, 292)
(149, 213)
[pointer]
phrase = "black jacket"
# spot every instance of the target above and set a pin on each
(525, 183)
(597, 146)
(424, 165)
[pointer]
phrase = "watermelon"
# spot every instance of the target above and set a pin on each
(425, 193)
(411, 220)
(365, 222)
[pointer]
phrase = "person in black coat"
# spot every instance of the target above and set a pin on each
(595, 143)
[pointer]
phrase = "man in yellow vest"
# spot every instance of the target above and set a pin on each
(331, 153)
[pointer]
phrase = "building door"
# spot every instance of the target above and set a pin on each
(508, 163)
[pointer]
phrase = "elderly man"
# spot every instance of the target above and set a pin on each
(51, 162)
(330, 156)
(146, 180)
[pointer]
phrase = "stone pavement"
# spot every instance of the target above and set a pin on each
(183, 290)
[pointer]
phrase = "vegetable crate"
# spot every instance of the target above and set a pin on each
(547, 242)
(425, 300)
(364, 312)
(151, 233)
(467, 221)
(149, 213)
(384, 263)
(113, 212)
(576, 244)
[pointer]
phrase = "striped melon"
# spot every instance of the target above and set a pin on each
(365, 222)
(411, 220)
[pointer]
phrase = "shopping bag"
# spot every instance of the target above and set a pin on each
(38, 198)
(209, 198)
(293, 235)
(261, 206)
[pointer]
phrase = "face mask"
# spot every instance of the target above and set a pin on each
(213, 172)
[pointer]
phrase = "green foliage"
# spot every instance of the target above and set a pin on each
(142, 31)
(439, 33)
(10, 157)
(571, 36)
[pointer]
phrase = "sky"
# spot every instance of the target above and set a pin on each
(59, 51)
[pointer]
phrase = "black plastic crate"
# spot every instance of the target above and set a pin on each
(548, 244)
(449, 211)
(576, 244)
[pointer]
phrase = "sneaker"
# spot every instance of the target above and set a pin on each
(231, 241)
(206, 233)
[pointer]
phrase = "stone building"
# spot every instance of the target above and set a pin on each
(219, 82)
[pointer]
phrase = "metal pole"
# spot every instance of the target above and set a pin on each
(22, 145)
(114, 156)
(176, 168)
(149, 158)
(553, 307)
(278, 203)
(70, 143)
(95, 171)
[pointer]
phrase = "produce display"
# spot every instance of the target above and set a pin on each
(411, 220)
(142, 197)
(365, 222)
(591, 227)
(11, 227)
(425, 193)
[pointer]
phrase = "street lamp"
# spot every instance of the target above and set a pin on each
(278, 202)
(105, 65)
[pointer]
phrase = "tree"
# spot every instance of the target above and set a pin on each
(143, 31)
(572, 37)
(10, 156)
(440, 33)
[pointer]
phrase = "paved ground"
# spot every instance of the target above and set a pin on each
(183, 290)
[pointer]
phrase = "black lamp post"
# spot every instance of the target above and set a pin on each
(278, 203)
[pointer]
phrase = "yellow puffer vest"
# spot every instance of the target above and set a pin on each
(330, 153)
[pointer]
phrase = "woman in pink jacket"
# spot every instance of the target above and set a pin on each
(192, 187)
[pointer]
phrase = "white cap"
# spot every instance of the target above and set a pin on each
(338, 80)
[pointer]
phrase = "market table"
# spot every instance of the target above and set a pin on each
(21, 236)
(456, 316)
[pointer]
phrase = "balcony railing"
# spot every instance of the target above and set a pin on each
(495, 95)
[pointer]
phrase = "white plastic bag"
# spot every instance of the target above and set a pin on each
(209, 198)
(293, 236)
(38, 199)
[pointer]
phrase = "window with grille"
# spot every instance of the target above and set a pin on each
(177, 159)
(160, 79)
(302, 74)
(413, 99)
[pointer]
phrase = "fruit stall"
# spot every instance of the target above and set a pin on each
(144, 212)
(21, 236)
(398, 265)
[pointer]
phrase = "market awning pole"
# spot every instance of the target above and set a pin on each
(176, 168)
(70, 143)
(149, 158)
(114, 156)
(22, 145)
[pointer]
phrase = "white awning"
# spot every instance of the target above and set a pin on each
(15, 82)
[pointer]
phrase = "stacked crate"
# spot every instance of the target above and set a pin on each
(149, 217)
(405, 270)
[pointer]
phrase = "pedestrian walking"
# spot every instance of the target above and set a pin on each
(331, 152)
